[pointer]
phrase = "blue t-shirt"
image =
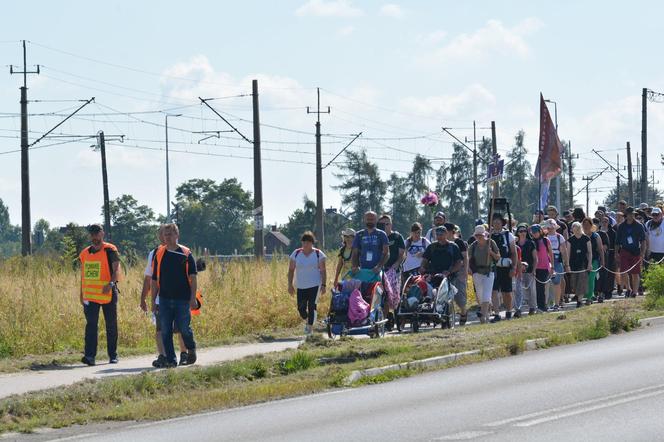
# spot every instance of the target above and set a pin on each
(630, 236)
(370, 246)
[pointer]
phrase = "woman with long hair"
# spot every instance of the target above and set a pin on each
(416, 244)
(345, 253)
(580, 261)
(544, 268)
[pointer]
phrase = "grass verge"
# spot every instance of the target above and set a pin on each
(317, 365)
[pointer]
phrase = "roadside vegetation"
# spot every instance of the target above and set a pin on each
(319, 364)
(653, 281)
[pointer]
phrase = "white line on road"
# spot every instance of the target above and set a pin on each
(571, 406)
(587, 410)
(78, 436)
(464, 435)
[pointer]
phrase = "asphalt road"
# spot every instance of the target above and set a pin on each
(612, 389)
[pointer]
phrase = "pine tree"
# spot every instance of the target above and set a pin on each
(518, 180)
(361, 186)
(455, 181)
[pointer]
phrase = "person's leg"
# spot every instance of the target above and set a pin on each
(157, 335)
(461, 284)
(111, 320)
(91, 311)
(483, 289)
(302, 303)
(518, 294)
(531, 292)
(167, 315)
(183, 321)
(542, 276)
(557, 284)
(312, 298)
(592, 277)
(581, 286)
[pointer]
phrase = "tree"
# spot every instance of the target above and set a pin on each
(300, 221)
(214, 215)
(518, 181)
(361, 186)
(134, 229)
(456, 184)
(10, 236)
(611, 200)
(403, 205)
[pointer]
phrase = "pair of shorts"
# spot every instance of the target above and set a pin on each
(176, 330)
(630, 263)
(557, 277)
(502, 281)
(460, 281)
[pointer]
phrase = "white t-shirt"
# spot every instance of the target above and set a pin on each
(412, 249)
(148, 271)
(307, 268)
(656, 238)
(556, 240)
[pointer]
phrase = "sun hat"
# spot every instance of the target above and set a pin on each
(348, 232)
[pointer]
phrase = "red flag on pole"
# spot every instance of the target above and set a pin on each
(549, 163)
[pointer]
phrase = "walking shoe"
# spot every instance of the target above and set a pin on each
(184, 358)
(508, 315)
(463, 319)
(579, 304)
(170, 364)
(88, 361)
(531, 311)
(496, 318)
(555, 308)
(600, 298)
(589, 301)
(608, 296)
(517, 314)
(160, 362)
(191, 357)
(113, 360)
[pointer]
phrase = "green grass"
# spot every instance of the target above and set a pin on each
(316, 366)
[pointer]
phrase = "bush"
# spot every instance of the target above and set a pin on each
(599, 330)
(620, 320)
(653, 281)
(298, 362)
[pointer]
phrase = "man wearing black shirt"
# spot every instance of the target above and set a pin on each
(631, 245)
(174, 279)
(442, 256)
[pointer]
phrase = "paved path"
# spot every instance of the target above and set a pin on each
(23, 382)
(611, 389)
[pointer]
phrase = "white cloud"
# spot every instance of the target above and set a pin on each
(345, 31)
(468, 103)
(493, 38)
(391, 10)
(431, 38)
(329, 8)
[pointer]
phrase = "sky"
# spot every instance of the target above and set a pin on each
(397, 72)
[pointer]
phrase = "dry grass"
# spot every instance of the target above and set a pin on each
(40, 313)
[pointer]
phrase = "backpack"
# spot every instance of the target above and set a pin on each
(340, 302)
(298, 251)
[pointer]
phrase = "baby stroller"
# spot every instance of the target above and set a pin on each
(366, 289)
(422, 303)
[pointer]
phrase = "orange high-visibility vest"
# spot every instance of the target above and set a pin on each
(159, 255)
(95, 274)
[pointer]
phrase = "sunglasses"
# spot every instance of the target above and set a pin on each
(521, 231)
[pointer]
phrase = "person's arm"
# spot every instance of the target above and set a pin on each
(291, 273)
(589, 255)
(337, 272)
(602, 248)
(550, 252)
(458, 264)
(154, 288)
(424, 266)
(323, 274)
(513, 257)
(400, 259)
(383, 259)
(355, 259)
(535, 259)
(193, 284)
(144, 292)
(564, 255)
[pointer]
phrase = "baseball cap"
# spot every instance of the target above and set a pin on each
(95, 228)
(348, 232)
(440, 215)
(552, 208)
(643, 206)
(440, 230)
(629, 210)
(655, 211)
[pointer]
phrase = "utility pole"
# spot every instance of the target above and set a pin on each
(258, 177)
(476, 200)
(630, 181)
(638, 179)
(571, 176)
(618, 179)
(168, 178)
(320, 211)
(101, 142)
(494, 151)
(589, 180)
(644, 144)
(26, 224)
